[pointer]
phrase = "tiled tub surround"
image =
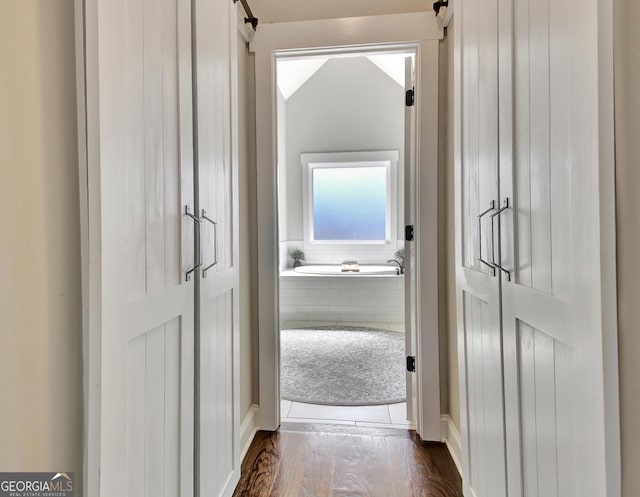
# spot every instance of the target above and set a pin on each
(355, 299)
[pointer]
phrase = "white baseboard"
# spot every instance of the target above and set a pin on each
(248, 430)
(451, 437)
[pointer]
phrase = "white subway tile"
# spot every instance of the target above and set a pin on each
(312, 283)
(389, 311)
(384, 283)
(313, 308)
(394, 301)
(358, 301)
(355, 309)
(292, 316)
(389, 293)
(290, 325)
(288, 283)
(340, 299)
(299, 300)
(361, 319)
(334, 301)
(353, 292)
(292, 292)
(310, 323)
(370, 310)
(321, 292)
(327, 317)
(347, 283)
(394, 322)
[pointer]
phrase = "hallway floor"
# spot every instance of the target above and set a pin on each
(321, 460)
(380, 416)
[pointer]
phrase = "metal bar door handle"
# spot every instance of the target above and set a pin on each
(197, 225)
(215, 243)
(492, 206)
(505, 206)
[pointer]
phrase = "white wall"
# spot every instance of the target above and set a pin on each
(248, 250)
(347, 105)
(452, 373)
(40, 296)
(295, 10)
(627, 109)
(449, 386)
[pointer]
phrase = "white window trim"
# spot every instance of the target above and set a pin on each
(310, 161)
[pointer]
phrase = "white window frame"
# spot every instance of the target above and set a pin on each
(386, 158)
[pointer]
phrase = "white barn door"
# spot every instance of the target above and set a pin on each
(218, 301)
(537, 342)
(140, 338)
(556, 171)
(478, 284)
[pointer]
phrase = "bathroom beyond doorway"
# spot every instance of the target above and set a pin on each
(337, 201)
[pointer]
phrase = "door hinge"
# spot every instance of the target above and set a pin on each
(409, 233)
(411, 363)
(410, 97)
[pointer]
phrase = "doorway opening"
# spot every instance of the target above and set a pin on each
(341, 168)
(369, 34)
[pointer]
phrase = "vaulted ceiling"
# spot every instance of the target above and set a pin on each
(293, 73)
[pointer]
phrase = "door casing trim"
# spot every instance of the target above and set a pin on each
(422, 32)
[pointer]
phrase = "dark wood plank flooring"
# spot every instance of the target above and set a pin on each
(313, 460)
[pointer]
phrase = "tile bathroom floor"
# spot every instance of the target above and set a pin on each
(379, 416)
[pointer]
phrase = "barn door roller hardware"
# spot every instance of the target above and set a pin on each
(251, 18)
(439, 4)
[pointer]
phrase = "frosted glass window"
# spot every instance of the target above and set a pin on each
(350, 203)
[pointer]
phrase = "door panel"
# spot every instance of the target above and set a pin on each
(217, 450)
(480, 130)
(545, 408)
(478, 287)
(553, 306)
(541, 132)
(218, 304)
(152, 146)
(140, 177)
(215, 174)
(469, 163)
(154, 398)
(485, 439)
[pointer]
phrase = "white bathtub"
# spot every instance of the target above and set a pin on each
(337, 270)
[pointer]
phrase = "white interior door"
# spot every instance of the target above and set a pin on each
(410, 283)
(218, 303)
(140, 170)
(478, 286)
(553, 249)
(553, 236)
